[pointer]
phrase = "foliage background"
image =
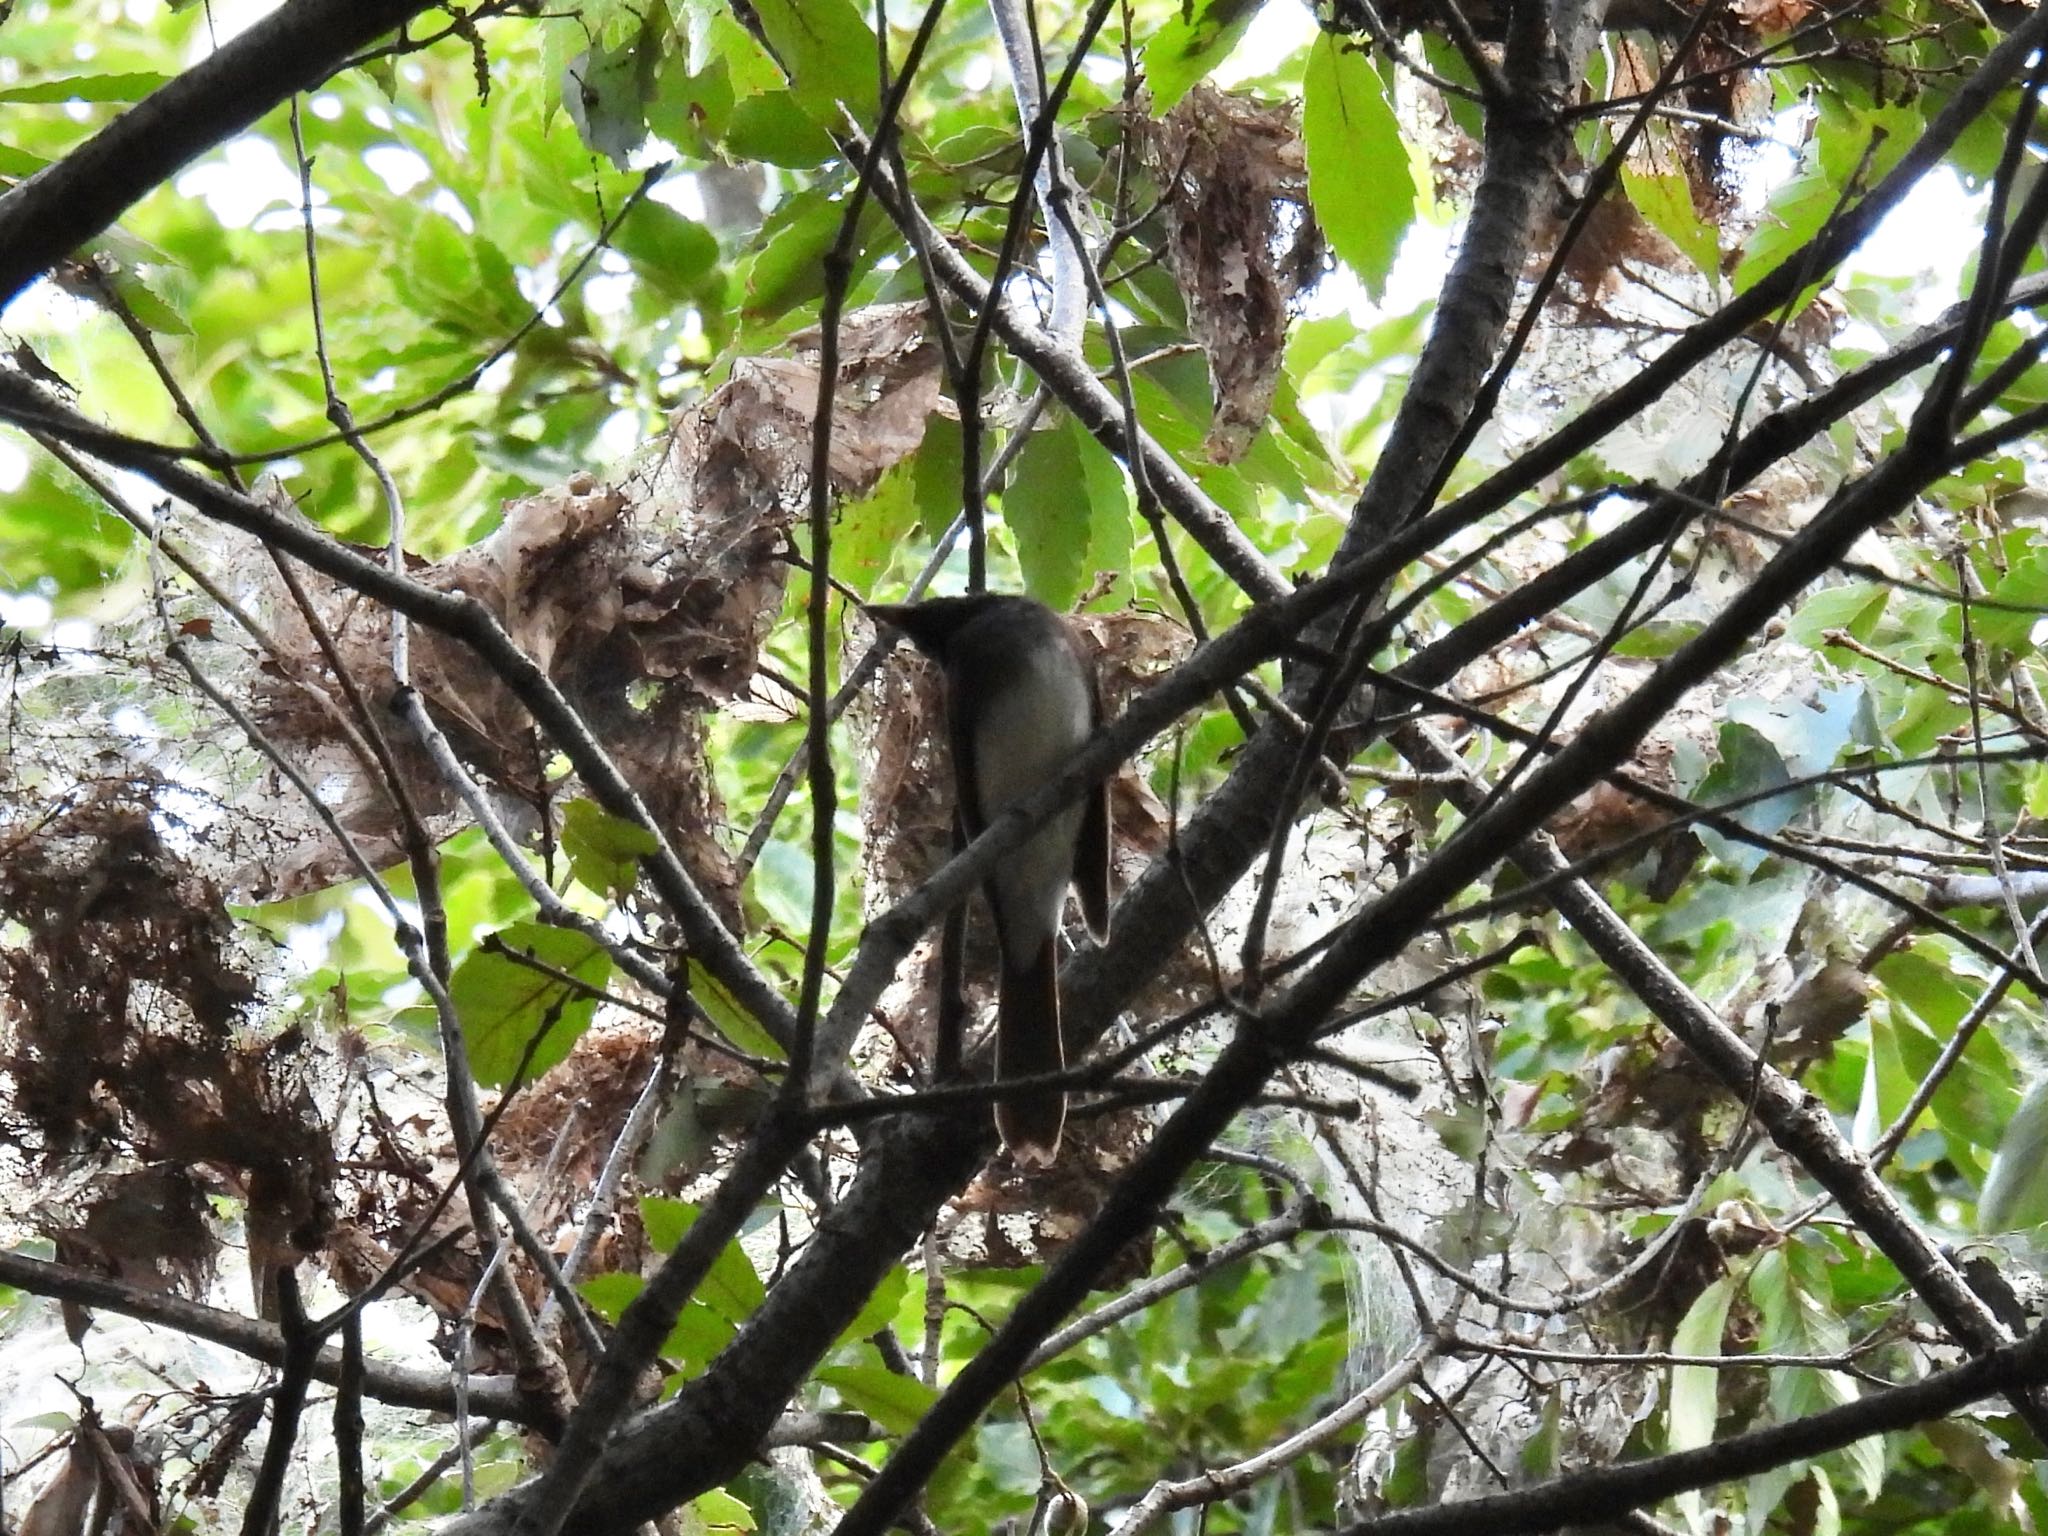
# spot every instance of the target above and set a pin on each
(578, 273)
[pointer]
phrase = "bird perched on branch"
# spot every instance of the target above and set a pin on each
(1021, 697)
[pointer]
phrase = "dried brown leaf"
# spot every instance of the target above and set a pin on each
(671, 574)
(129, 1056)
(1242, 242)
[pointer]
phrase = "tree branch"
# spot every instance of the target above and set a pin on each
(1589, 1498)
(402, 1386)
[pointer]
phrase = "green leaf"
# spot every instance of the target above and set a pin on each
(1665, 201)
(936, 473)
(48, 532)
(1856, 608)
(2016, 1193)
(606, 96)
(717, 38)
(671, 253)
(1048, 520)
(19, 162)
(879, 1310)
(505, 1004)
(1795, 213)
(1310, 342)
(678, 1142)
(604, 850)
(895, 1402)
(1696, 1389)
(700, 1332)
(124, 87)
(1447, 61)
(666, 1221)
(1809, 737)
(868, 534)
(1358, 175)
(562, 39)
(1407, 1484)
(1921, 980)
(1191, 43)
(1749, 765)
(382, 72)
(611, 1294)
(788, 265)
(730, 1288)
(1978, 1453)
(739, 1027)
(690, 110)
(433, 271)
(1657, 639)
(716, 1511)
(1798, 1322)
(1977, 1099)
(1539, 1452)
(1110, 515)
(2025, 584)
(1067, 508)
(829, 52)
(774, 127)
(55, 1419)
(143, 302)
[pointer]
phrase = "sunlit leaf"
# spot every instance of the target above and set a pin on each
(2016, 1194)
(773, 127)
(730, 1288)
(606, 96)
(1190, 43)
(123, 87)
(668, 251)
(1358, 174)
(880, 1309)
(829, 52)
(738, 1026)
(1750, 766)
(711, 1513)
(1665, 200)
(1067, 506)
(604, 850)
(895, 1402)
(1696, 1389)
(511, 1002)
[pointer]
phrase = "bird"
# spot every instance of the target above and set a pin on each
(1021, 697)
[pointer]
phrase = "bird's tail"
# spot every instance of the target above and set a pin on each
(1028, 1045)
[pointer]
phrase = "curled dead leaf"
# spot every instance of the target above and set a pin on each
(1242, 242)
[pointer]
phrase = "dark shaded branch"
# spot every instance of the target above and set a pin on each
(287, 1405)
(776, 1138)
(708, 1432)
(1589, 1498)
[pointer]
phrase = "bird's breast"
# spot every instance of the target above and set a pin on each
(1024, 731)
(1026, 728)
